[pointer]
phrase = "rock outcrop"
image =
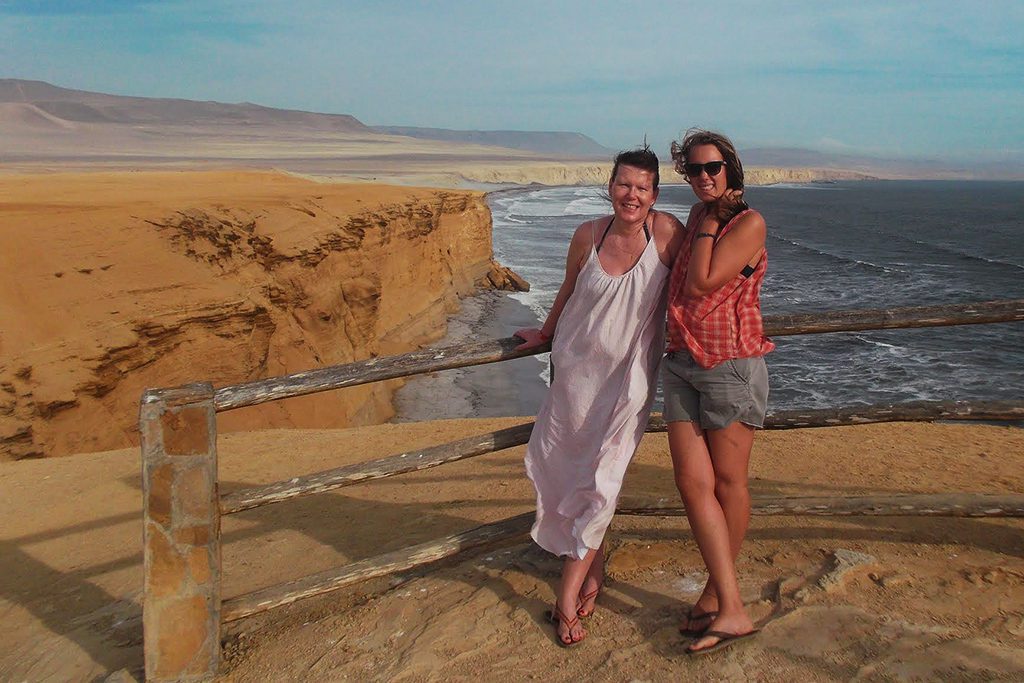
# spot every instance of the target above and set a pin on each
(112, 283)
(500, 277)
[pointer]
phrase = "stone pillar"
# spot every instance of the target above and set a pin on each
(181, 527)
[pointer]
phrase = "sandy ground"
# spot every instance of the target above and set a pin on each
(939, 599)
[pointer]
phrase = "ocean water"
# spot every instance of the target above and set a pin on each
(852, 245)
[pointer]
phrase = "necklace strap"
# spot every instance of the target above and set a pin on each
(597, 250)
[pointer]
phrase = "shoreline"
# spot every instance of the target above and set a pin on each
(440, 172)
(508, 389)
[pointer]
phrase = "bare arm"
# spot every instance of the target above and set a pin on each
(574, 260)
(669, 234)
(712, 265)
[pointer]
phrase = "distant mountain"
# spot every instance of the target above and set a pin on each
(37, 105)
(786, 157)
(558, 144)
(887, 168)
(40, 122)
(38, 119)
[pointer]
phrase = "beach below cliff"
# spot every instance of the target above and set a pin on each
(509, 388)
(918, 598)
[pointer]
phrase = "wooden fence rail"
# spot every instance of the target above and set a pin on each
(931, 505)
(874, 505)
(412, 461)
(895, 318)
(492, 351)
(382, 565)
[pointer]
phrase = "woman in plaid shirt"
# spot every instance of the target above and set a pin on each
(714, 378)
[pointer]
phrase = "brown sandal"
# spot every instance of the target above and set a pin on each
(583, 598)
(556, 616)
(691, 632)
(725, 639)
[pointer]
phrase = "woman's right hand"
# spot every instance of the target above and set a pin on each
(532, 338)
(728, 205)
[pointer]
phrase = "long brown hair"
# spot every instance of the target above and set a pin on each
(699, 136)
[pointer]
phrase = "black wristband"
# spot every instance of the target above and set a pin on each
(705, 234)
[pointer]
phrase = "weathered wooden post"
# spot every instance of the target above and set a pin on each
(181, 522)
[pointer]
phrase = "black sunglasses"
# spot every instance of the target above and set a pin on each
(712, 168)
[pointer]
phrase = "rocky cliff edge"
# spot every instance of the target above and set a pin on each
(114, 282)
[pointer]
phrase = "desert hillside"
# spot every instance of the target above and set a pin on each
(547, 143)
(47, 128)
(48, 106)
(43, 126)
(114, 282)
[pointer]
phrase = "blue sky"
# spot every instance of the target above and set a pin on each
(939, 79)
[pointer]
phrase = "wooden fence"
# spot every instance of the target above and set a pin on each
(183, 609)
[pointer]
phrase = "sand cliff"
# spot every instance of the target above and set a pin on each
(589, 173)
(114, 282)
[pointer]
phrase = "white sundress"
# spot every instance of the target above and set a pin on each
(607, 347)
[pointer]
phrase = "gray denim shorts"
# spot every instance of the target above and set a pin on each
(732, 391)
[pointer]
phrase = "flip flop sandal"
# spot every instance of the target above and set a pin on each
(583, 598)
(556, 616)
(691, 632)
(724, 640)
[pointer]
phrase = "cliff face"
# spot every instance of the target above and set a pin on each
(770, 176)
(553, 173)
(112, 283)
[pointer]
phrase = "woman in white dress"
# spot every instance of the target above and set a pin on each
(606, 328)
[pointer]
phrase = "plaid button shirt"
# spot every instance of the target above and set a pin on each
(721, 325)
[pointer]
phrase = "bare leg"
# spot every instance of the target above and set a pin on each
(592, 584)
(697, 482)
(730, 457)
(706, 607)
(573, 574)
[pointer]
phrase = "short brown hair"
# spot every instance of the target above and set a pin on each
(642, 157)
(699, 136)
